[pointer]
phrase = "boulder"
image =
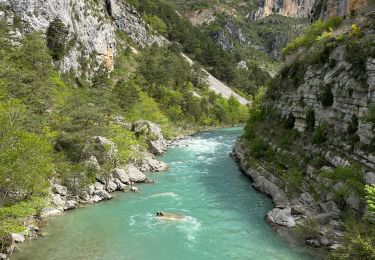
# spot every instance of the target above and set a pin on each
(134, 174)
(354, 201)
(98, 186)
(18, 237)
(323, 218)
(158, 147)
(58, 201)
(281, 217)
(91, 190)
(3, 256)
(70, 204)
(369, 178)
(59, 189)
(121, 175)
(151, 164)
(103, 194)
(331, 208)
(120, 186)
(50, 212)
(134, 189)
(111, 186)
(313, 242)
(95, 199)
(169, 216)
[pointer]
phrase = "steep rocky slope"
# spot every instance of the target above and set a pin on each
(310, 146)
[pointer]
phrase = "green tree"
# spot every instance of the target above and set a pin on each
(25, 158)
(57, 35)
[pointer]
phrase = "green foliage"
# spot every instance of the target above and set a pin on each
(370, 117)
(289, 121)
(128, 94)
(12, 218)
(57, 35)
(258, 147)
(326, 97)
(310, 120)
(293, 181)
(156, 23)
(25, 158)
(311, 34)
(320, 134)
(309, 228)
(351, 176)
(358, 242)
(370, 197)
(353, 125)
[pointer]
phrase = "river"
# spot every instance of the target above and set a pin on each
(224, 214)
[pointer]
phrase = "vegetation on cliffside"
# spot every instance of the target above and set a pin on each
(293, 136)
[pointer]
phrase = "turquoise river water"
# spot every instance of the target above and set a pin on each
(224, 214)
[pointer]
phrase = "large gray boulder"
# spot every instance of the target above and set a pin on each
(70, 204)
(58, 201)
(103, 194)
(150, 164)
(331, 208)
(18, 237)
(111, 186)
(134, 174)
(120, 174)
(50, 212)
(281, 217)
(59, 189)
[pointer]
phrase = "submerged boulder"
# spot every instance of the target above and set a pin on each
(169, 216)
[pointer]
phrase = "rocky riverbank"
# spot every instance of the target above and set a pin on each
(292, 214)
(124, 178)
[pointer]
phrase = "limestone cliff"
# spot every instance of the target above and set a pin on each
(312, 9)
(311, 147)
(92, 27)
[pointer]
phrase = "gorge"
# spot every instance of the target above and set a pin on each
(95, 97)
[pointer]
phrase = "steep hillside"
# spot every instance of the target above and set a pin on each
(310, 143)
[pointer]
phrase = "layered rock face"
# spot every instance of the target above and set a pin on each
(91, 25)
(292, 8)
(351, 100)
(312, 9)
(323, 9)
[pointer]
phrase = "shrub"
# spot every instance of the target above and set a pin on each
(258, 147)
(289, 121)
(293, 181)
(320, 134)
(370, 117)
(353, 125)
(57, 35)
(326, 97)
(310, 120)
(311, 34)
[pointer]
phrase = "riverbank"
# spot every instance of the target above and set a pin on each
(302, 218)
